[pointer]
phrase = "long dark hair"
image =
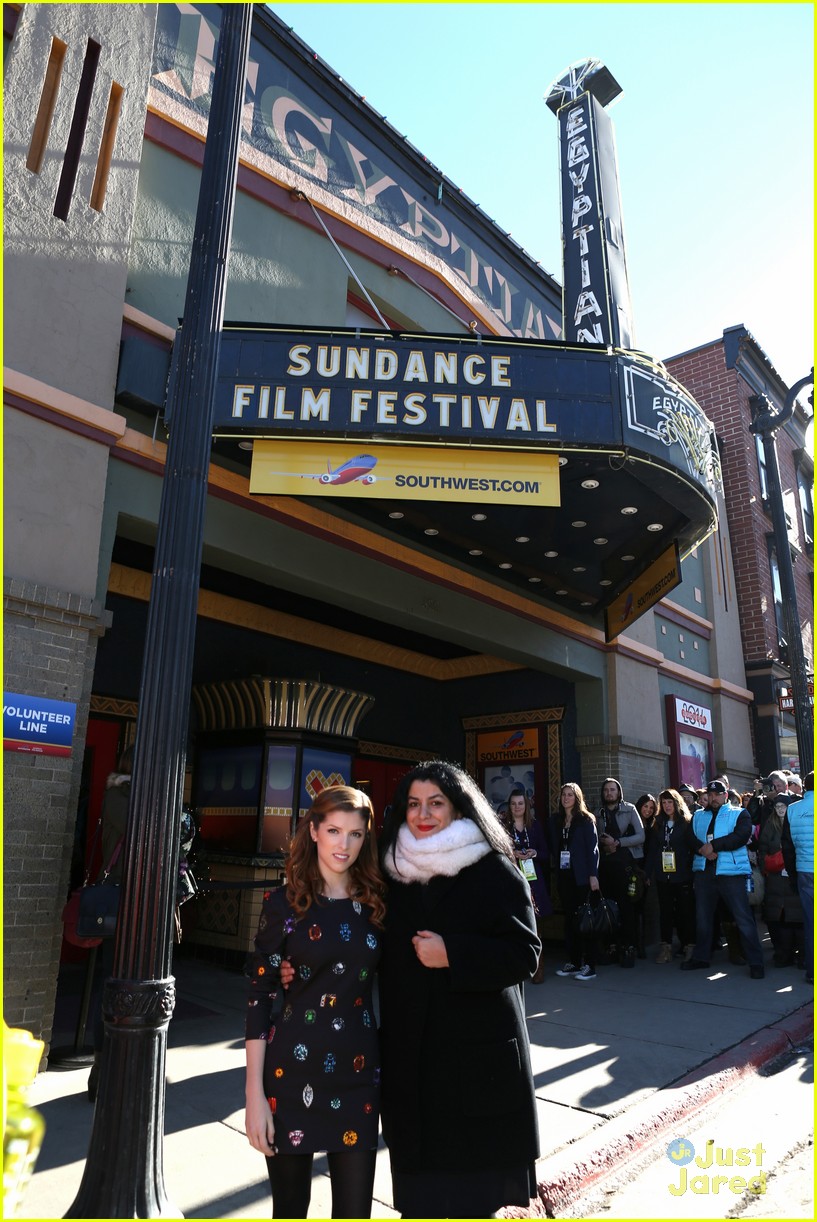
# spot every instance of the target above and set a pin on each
(681, 808)
(642, 802)
(304, 880)
(527, 820)
(464, 795)
(579, 809)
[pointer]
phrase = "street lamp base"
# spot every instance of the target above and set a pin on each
(124, 1175)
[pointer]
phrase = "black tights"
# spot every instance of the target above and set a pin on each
(351, 1173)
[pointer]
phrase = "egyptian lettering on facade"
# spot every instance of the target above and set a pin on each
(292, 125)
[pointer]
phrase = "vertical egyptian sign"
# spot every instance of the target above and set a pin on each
(596, 295)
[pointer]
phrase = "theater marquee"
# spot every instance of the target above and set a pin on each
(346, 383)
(462, 391)
(600, 470)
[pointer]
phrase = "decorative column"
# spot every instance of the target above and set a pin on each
(124, 1173)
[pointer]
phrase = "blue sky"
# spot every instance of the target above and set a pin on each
(714, 133)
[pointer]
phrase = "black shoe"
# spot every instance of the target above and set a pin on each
(627, 958)
(692, 965)
(757, 971)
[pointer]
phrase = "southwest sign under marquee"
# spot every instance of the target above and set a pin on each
(416, 473)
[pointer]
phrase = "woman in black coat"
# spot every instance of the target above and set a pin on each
(458, 1105)
(668, 864)
(532, 854)
(782, 910)
(574, 850)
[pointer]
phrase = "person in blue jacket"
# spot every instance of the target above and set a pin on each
(721, 869)
(797, 842)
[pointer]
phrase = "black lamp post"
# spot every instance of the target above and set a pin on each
(765, 422)
(124, 1174)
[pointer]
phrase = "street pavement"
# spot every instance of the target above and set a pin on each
(619, 1062)
(748, 1154)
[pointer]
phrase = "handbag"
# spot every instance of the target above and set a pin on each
(98, 909)
(70, 919)
(600, 918)
(773, 863)
(756, 895)
(99, 903)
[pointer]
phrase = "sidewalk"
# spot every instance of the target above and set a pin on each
(621, 1056)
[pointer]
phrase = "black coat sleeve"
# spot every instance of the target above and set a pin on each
(789, 854)
(263, 966)
(503, 949)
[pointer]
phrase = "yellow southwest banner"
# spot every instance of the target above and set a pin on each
(663, 575)
(508, 745)
(417, 473)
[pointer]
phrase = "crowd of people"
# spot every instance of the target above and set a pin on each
(448, 910)
(699, 865)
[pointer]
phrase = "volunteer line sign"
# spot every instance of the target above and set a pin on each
(37, 725)
(399, 472)
(347, 383)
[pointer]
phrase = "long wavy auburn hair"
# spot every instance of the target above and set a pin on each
(304, 880)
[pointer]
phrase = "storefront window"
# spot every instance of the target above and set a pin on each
(761, 466)
(779, 615)
(277, 820)
(805, 492)
(228, 785)
(319, 769)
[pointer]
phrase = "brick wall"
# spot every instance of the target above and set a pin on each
(49, 651)
(639, 767)
(724, 396)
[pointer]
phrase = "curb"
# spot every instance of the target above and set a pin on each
(570, 1173)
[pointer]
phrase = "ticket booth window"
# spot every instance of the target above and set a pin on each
(226, 794)
(280, 781)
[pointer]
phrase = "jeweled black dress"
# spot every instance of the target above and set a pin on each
(322, 1067)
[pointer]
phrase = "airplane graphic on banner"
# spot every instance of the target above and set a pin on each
(349, 472)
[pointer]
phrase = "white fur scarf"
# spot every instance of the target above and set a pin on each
(446, 852)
